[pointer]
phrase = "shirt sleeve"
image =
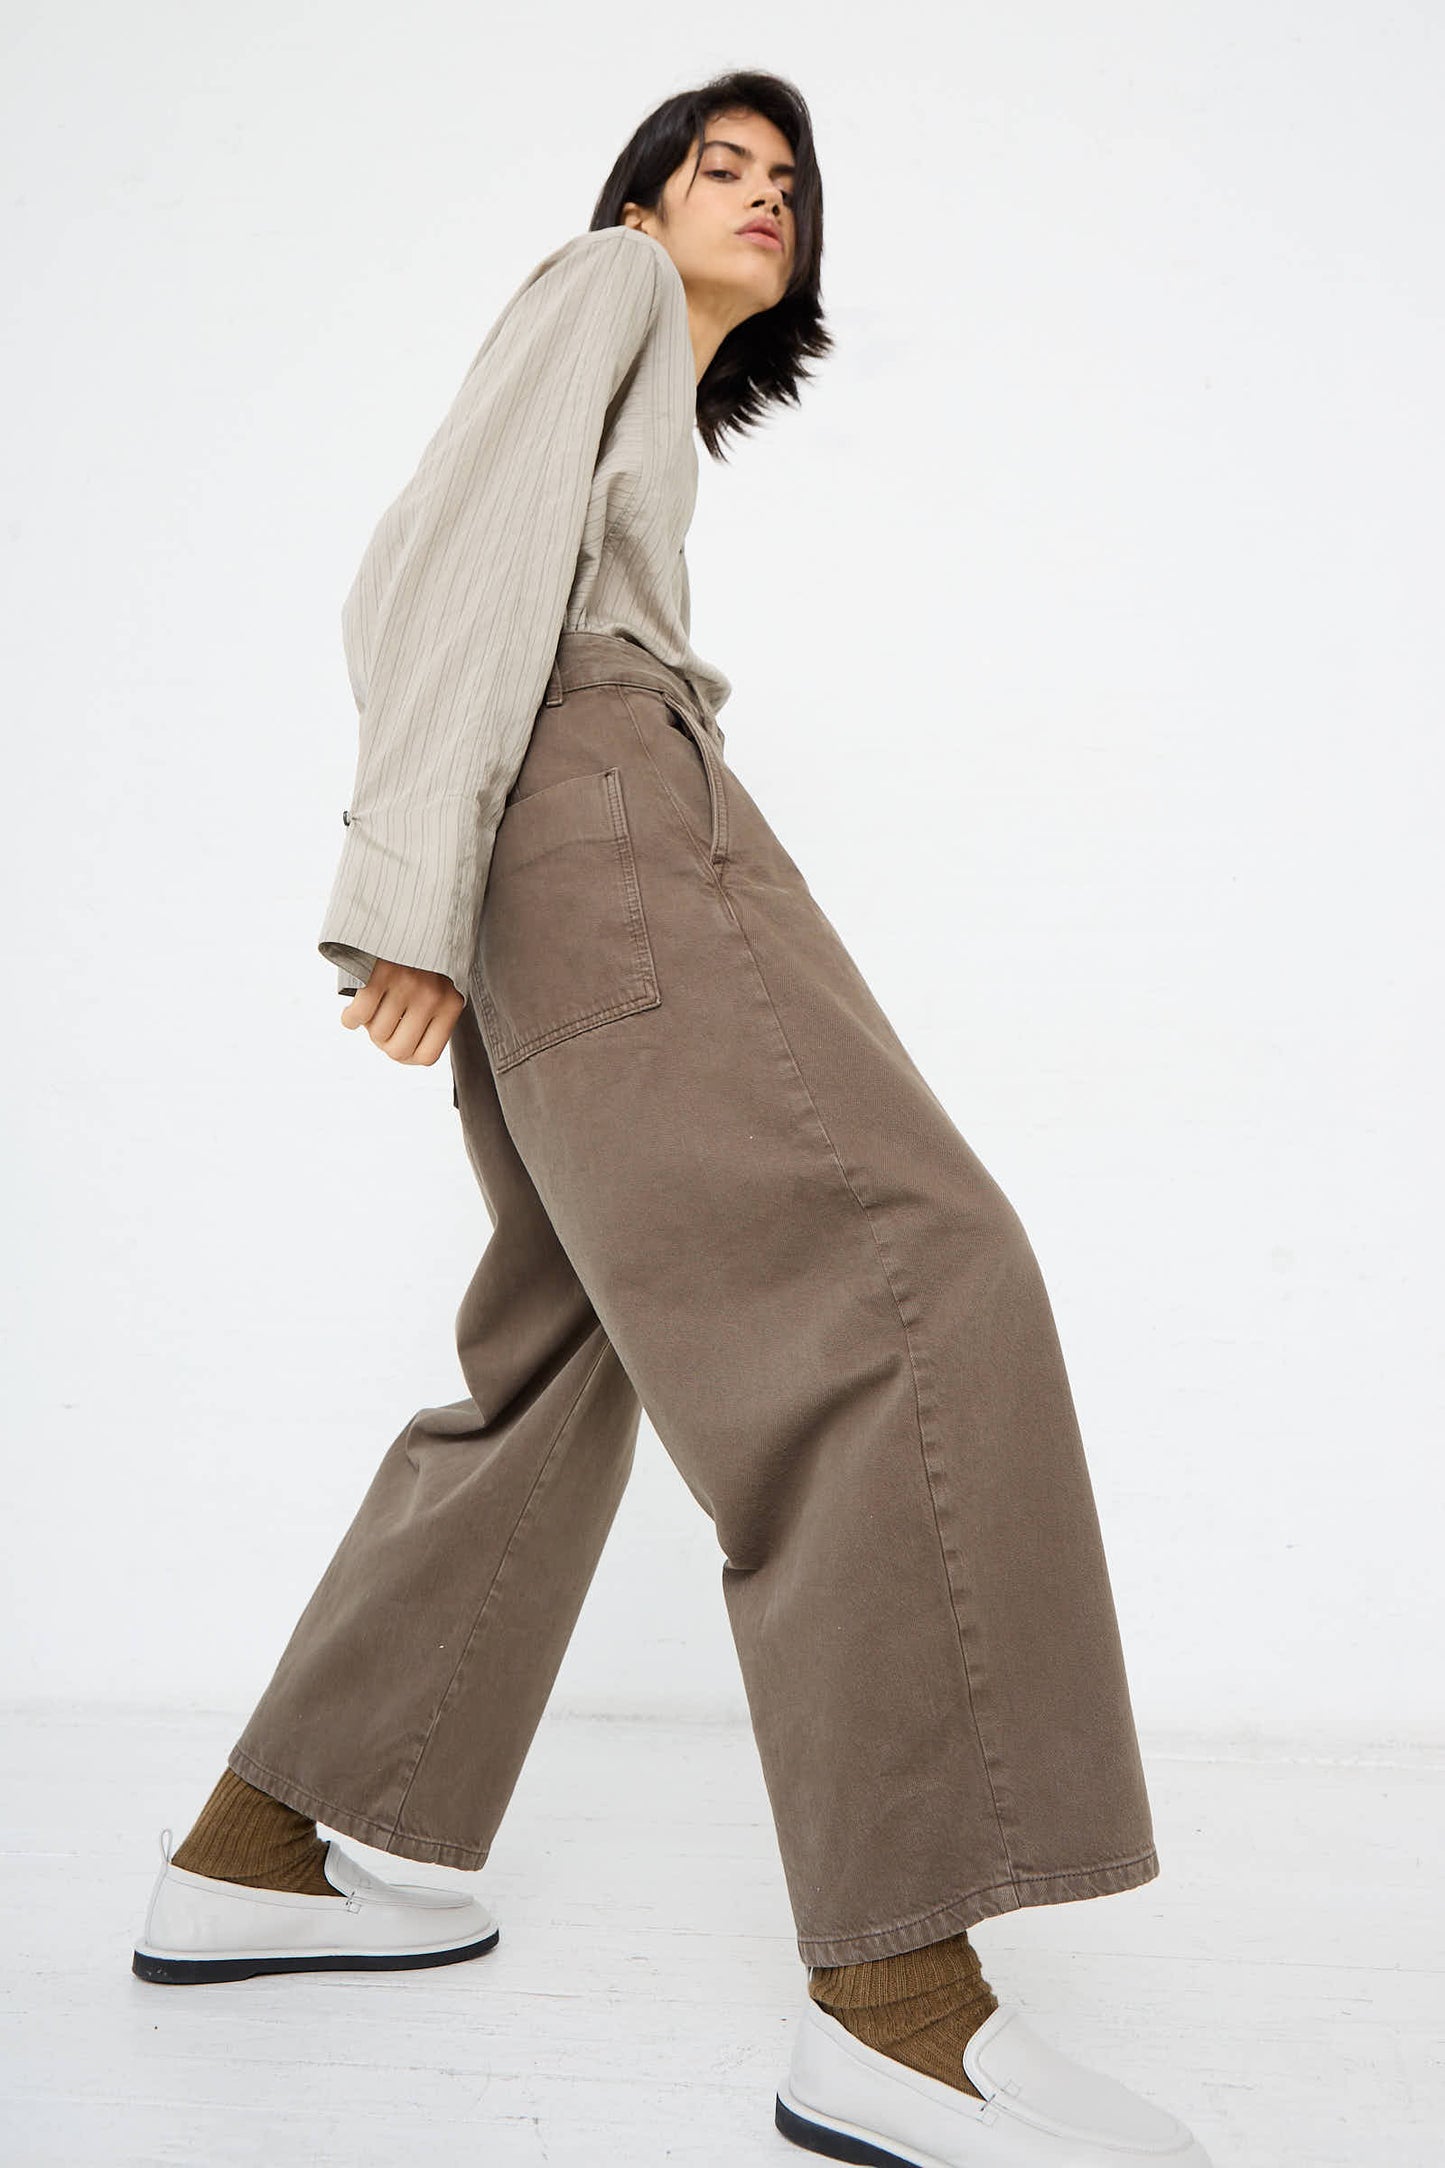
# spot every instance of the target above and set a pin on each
(467, 629)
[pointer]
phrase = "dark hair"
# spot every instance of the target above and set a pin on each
(760, 362)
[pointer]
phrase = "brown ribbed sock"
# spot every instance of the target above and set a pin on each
(244, 1835)
(918, 2007)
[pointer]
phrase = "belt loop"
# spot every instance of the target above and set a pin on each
(553, 697)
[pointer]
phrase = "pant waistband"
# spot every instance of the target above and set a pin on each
(608, 658)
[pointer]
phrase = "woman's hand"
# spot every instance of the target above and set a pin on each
(408, 1013)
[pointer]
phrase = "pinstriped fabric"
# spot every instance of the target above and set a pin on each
(556, 495)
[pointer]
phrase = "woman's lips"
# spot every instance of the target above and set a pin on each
(757, 233)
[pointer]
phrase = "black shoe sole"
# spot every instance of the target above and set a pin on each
(190, 1971)
(836, 2144)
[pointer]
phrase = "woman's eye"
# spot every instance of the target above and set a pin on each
(721, 173)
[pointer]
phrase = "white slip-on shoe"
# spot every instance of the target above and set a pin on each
(1040, 2108)
(200, 1928)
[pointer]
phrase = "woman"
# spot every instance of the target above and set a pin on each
(719, 1188)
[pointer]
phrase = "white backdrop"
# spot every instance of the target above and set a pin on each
(1084, 626)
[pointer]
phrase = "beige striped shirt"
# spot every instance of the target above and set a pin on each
(556, 494)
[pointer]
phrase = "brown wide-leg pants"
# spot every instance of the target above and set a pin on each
(721, 1190)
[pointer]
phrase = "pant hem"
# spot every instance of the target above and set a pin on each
(953, 1917)
(381, 1836)
(959, 1913)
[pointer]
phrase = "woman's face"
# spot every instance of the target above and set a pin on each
(745, 175)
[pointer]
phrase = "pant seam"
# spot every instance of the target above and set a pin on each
(903, 1326)
(710, 869)
(492, 1585)
(983, 1751)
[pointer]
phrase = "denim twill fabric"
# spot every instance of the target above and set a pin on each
(721, 1190)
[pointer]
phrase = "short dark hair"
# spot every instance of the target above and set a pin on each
(760, 362)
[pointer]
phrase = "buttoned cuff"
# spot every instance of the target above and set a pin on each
(408, 888)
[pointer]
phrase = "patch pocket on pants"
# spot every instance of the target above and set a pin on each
(563, 944)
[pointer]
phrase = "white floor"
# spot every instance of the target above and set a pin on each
(1279, 1985)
